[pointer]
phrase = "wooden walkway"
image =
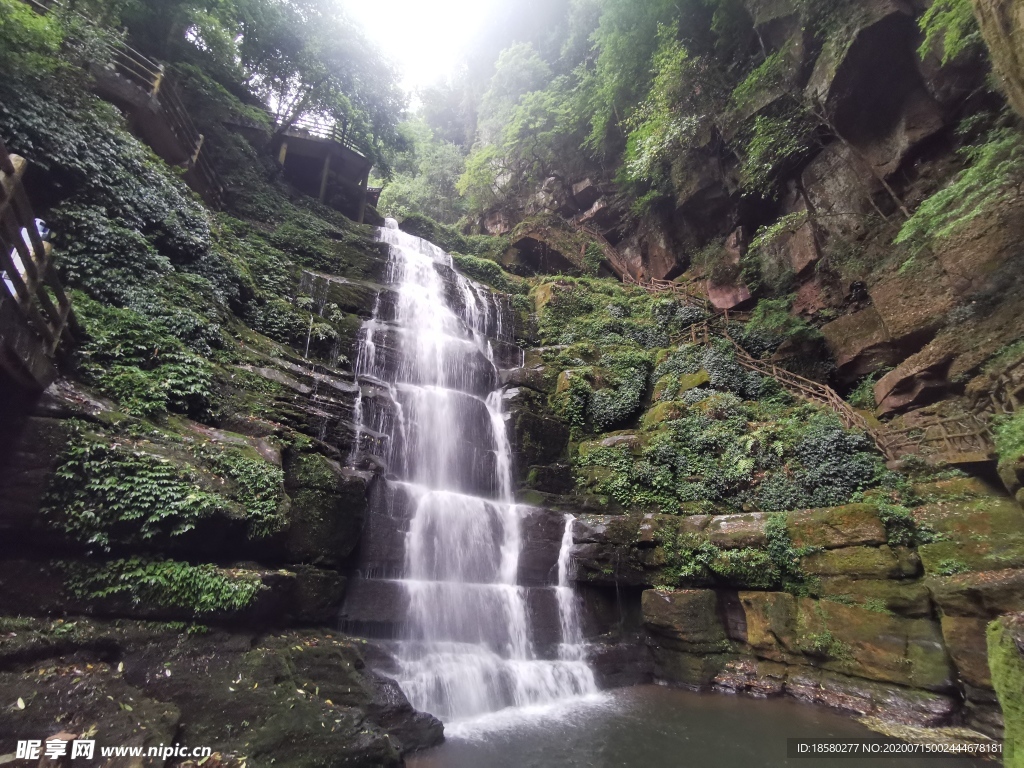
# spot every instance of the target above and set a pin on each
(962, 439)
(686, 295)
(35, 313)
(142, 86)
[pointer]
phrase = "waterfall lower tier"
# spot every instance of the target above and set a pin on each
(430, 409)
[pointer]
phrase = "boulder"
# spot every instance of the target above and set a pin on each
(853, 525)
(689, 670)
(860, 343)
(1006, 663)
(854, 562)
(329, 507)
(738, 531)
(685, 620)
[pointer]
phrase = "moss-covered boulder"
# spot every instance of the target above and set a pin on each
(1006, 663)
(329, 506)
(847, 639)
(854, 562)
(853, 525)
(977, 534)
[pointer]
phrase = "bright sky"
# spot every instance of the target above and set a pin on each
(425, 38)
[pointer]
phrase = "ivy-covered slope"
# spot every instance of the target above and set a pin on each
(188, 467)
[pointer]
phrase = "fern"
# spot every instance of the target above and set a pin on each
(952, 23)
(994, 174)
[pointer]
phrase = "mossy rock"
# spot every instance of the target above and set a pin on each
(854, 562)
(904, 598)
(836, 527)
(847, 639)
(671, 386)
(985, 594)
(965, 640)
(661, 413)
(329, 505)
(1005, 641)
(978, 534)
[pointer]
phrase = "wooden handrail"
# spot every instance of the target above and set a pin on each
(152, 78)
(29, 281)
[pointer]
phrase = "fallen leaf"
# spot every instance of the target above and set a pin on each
(21, 703)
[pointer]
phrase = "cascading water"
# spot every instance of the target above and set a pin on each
(465, 647)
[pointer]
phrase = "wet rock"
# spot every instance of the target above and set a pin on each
(685, 620)
(621, 664)
(541, 534)
(863, 697)
(374, 607)
(753, 677)
(689, 670)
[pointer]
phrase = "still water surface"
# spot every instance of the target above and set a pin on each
(654, 727)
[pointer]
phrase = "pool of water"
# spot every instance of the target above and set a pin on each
(653, 726)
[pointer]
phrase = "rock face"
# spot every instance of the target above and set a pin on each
(306, 697)
(879, 630)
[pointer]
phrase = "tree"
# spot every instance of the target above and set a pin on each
(520, 70)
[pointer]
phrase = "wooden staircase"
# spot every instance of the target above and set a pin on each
(960, 439)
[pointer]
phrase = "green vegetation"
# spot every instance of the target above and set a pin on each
(195, 589)
(994, 173)
(1007, 667)
(133, 492)
(952, 24)
(1009, 436)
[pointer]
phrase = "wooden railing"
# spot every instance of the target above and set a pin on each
(686, 295)
(29, 283)
(796, 385)
(950, 435)
(149, 76)
(328, 130)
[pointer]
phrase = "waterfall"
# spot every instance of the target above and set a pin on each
(431, 408)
